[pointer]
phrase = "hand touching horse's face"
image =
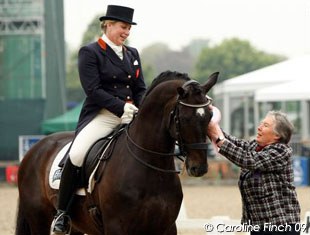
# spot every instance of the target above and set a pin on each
(192, 119)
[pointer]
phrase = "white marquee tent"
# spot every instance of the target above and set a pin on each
(286, 71)
(285, 81)
(289, 91)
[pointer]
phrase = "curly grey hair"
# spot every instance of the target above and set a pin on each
(283, 127)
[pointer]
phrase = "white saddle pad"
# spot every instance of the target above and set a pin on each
(55, 173)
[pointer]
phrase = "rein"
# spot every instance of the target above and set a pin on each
(147, 164)
(148, 151)
(175, 112)
(144, 149)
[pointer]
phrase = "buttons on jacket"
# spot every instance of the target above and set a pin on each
(128, 76)
(115, 86)
(120, 87)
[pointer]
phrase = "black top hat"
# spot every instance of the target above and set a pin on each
(119, 13)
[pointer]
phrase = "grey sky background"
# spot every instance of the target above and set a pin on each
(275, 26)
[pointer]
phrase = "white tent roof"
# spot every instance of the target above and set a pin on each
(295, 90)
(286, 71)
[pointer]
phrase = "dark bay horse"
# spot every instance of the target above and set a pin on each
(139, 192)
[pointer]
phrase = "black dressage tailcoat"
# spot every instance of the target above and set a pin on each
(108, 81)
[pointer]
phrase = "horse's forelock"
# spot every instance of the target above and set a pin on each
(194, 90)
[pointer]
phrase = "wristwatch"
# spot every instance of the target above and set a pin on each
(220, 138)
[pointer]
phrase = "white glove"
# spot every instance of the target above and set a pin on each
(129, 111)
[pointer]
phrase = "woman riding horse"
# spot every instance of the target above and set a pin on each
(112, 79)
(139, 191)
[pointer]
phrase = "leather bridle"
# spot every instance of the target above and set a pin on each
(174, 115)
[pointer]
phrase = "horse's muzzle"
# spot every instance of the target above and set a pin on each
(198, 170)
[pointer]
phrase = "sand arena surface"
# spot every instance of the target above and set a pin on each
(201, 201)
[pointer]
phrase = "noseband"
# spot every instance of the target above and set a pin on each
(174, 115)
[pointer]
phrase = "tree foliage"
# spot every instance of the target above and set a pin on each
(231, 58)
(158, 57)
(167, 60)
(93, 31)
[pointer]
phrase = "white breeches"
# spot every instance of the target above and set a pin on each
(102, 125)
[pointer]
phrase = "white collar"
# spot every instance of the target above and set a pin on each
(117, 49)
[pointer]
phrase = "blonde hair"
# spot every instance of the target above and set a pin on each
(104, 24)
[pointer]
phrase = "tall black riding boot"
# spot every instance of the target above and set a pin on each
(68, 184)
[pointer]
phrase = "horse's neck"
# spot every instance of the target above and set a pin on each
(150, 126)
(150, 129)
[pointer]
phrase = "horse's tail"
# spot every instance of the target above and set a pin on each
(22, 226)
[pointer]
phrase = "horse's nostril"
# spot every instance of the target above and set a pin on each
(198, 170)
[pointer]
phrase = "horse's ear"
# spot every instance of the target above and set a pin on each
(211, 81)
(181, 92)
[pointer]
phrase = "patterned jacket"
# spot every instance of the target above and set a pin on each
(266, 181)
